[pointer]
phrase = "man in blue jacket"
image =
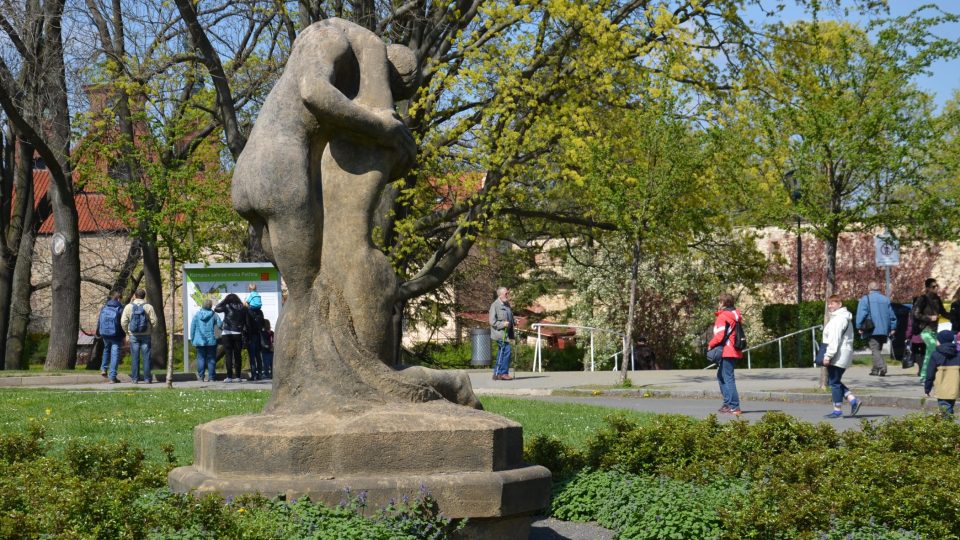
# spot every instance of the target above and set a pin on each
(876, 321)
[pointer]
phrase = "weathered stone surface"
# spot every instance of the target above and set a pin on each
(417, 439)
(468, 460)
(310, 181)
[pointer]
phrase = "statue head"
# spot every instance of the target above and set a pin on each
(405, 76)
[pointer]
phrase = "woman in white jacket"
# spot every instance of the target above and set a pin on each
(838, 336)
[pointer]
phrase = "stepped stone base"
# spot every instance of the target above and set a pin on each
(468, 460)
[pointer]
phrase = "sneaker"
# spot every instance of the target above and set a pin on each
(113, 381)
(882, 373)
(834, 414)
(724, 409)
(103, 373)
(855, 407)
(735, 412)
(228, 380)
(136, 381)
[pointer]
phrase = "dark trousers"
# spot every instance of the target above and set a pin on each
(876, 344)
(256, 360)
(232, 344)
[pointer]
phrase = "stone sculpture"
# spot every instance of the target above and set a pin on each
(326, 143)
(309, 180)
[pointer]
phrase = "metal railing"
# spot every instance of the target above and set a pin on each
(538, 354)
(779, 342)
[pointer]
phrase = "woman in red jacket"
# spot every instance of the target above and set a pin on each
(727, 319)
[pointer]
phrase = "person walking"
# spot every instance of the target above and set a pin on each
(876, 322)
(838, 336)
(943, 373)
(724, 330)
(501, 331)
(110, 328)
(234, 324)
(927, 309)
(203, 336)
(138, 320)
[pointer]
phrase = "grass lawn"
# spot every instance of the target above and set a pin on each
(151, 418)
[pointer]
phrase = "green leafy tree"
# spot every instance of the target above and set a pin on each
(653, 175)
(838, 106)
(503, 84)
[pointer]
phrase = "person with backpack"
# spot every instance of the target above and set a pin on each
(138, 320)
(943, 372)
(234, 324)
(203, 336)
(254, 340)
(838, 337)
(876, 322)
(728, 335)
(109, 328)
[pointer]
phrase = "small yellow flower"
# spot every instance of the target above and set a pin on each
(48, 411)
(241, 510)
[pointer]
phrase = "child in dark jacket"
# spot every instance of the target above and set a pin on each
(943, 373)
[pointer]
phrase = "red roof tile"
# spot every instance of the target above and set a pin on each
(93, 214)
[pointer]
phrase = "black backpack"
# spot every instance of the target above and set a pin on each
(739, 338)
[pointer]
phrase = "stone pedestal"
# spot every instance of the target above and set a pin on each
(470, 461)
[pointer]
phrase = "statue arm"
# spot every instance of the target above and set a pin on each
(318, 90)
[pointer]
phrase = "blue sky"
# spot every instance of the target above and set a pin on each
(944, 78)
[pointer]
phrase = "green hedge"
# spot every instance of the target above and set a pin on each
(893, 479)
(108, 490)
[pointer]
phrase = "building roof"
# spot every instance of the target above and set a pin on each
(93, 213)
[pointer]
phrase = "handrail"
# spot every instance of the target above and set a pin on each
(779, 342)
(538, 352)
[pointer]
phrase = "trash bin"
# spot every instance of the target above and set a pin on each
(480, 347)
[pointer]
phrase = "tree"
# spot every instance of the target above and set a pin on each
(502, 84)
(653, 174)
(38, 109)
(158, 142)
(837, 105)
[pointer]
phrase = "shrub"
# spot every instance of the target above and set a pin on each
(687, 448)
(108, 490)
(562, 460)
(897, 477)
(27, 446)
(648, 507)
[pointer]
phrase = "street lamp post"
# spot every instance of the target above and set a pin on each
(793, 183)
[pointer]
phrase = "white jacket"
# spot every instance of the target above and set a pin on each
(838, 335)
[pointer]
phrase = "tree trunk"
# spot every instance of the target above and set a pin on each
(173, 320)
(24, 215)
(830, 256)
(628, 330)
(65, 285)
(20, 302)
(65, 281)
(151, 271)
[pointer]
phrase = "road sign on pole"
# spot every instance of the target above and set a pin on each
(887, 250)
